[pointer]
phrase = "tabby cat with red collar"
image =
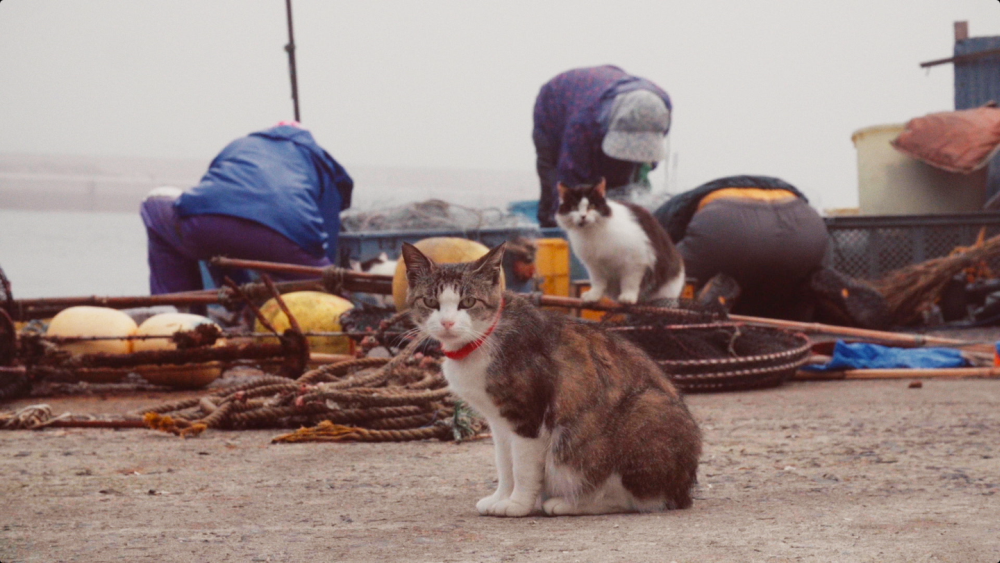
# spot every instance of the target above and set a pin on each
(583, 421)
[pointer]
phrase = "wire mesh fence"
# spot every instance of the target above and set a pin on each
(868, 247)
(865, 247)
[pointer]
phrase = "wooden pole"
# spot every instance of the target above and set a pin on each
(37, 308)
(901, 373)
(27, 309)
(293, 269)
(120, 423)
(120, 302)
(882, 337)
(290, 49)
(319, 358)
(962, 58)
(352, 281)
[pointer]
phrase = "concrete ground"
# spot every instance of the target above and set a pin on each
(820, 471)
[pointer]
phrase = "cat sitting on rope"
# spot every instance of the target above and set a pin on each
(627, 253)
(583, 421)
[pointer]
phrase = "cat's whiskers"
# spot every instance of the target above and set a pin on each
(493, 348)
(469, 334)
(415, 333)
(422, 339)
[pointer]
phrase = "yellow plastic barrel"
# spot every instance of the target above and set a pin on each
(553, 265)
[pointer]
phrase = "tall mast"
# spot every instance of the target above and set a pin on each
(290, 49)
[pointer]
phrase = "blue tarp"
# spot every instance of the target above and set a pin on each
(874, 356)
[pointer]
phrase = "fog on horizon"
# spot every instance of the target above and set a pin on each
(765, 87)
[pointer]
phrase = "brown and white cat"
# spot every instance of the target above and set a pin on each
(583, 421)
(627, 253)
(380, 265)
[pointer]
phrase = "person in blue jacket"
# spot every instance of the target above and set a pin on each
(593, 123)
(273, 195)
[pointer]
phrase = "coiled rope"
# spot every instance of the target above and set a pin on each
(363, 400)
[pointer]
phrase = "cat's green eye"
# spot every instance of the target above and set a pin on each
(467, 303)
(431, 303)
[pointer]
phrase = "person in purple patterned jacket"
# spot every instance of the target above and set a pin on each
(596, 122)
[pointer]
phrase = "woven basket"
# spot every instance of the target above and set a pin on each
(725, 356)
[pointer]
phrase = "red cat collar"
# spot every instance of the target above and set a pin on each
(471, 347)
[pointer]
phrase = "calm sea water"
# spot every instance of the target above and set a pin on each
(71, 253)
(66, 253)
(48, 251)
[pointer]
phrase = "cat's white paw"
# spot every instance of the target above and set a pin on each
(510, 508)
(592, 295)
(486, 504)
(628, 298)
(558, 506)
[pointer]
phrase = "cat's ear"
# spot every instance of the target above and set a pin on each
(601, 188)
(563, 190)
(491, 263)
(417, 264)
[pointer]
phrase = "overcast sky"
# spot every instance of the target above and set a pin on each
(765, 87)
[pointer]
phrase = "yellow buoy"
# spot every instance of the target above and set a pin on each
(174, 375)
(316, 312)
(443, 250)
(94, 321)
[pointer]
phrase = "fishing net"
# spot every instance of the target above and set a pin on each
(702, 352)
(386, 328)
(429, 215)
(367, 317)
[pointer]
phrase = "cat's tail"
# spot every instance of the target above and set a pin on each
(663, 445)
(671, 289)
